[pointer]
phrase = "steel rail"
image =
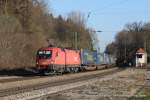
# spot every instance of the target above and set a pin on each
(17, 90)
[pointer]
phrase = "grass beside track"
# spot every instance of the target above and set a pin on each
(144, 94)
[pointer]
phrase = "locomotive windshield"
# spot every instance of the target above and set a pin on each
(44, 54)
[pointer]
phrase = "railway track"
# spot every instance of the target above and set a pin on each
(31, 77)
(17, 90)
(18, 79)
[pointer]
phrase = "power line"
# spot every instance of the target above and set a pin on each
(108, 6)
(109, 31)
(125, 12)
(112, 4)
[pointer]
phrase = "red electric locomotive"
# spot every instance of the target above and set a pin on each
(58, 60)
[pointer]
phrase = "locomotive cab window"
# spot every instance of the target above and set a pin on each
(44, 54)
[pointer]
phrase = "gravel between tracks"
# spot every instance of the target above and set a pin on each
(47, 79)
(120, 86)
(50, 90)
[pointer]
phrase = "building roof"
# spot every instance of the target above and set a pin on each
(140, 50)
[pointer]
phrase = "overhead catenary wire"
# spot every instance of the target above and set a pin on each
(107, 6)
(102, 12)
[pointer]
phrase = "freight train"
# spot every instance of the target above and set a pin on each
(50, 60)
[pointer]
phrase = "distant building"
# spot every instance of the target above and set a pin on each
(141, 58)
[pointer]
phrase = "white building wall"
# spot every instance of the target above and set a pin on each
(142, 60)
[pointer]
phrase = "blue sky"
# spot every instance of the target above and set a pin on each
(109, 16)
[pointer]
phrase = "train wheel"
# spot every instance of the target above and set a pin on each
(82, 69)
(72, 69)
(46, 73)
(96, 68)
(67, 70)
(76, 69)
(40, 72)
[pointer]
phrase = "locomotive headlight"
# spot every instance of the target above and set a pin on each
(52, 62)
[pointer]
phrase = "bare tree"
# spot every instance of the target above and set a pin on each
(131, 38)
(77, 18)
